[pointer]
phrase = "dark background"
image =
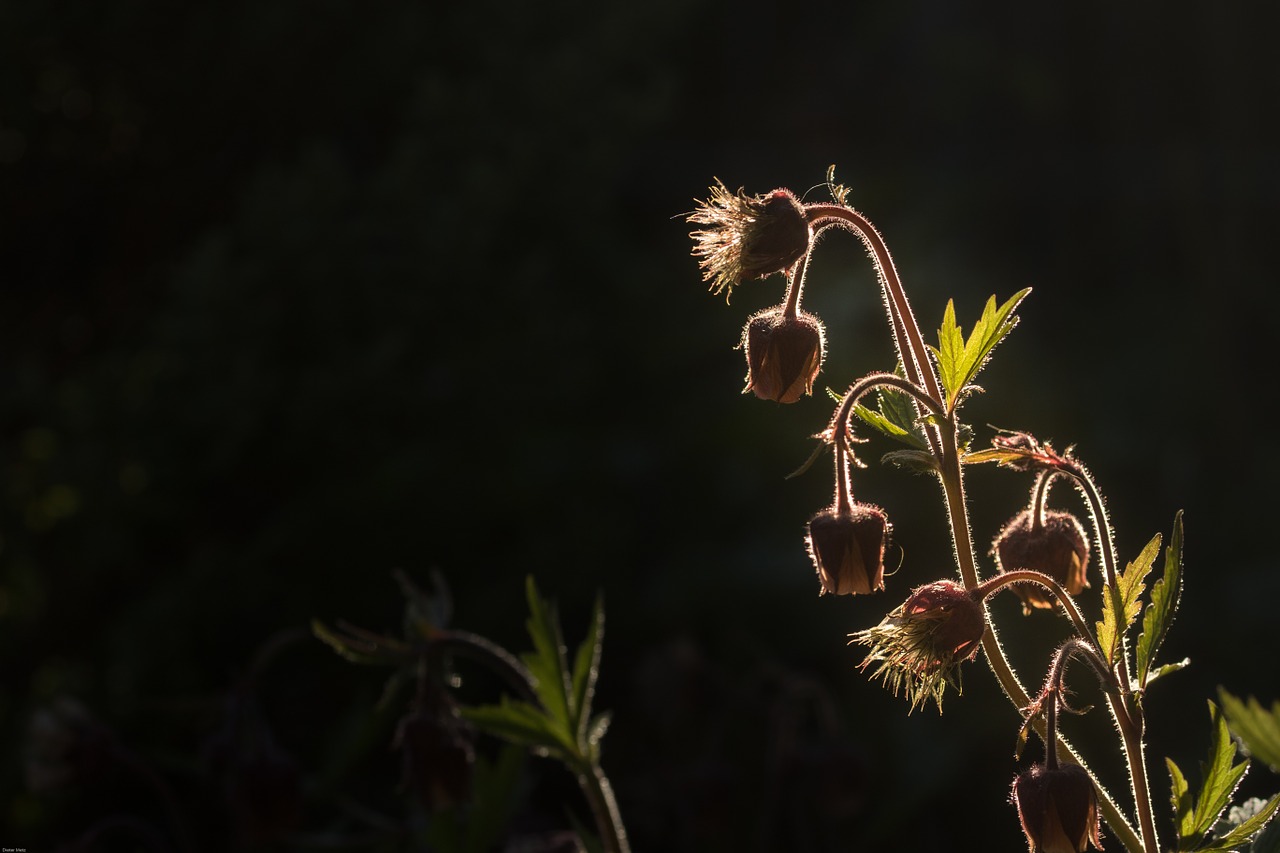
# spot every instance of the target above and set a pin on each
(296, 294)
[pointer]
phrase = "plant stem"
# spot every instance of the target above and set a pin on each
(599, 793)
(795, 285)
(943, 441)
(1126, 713)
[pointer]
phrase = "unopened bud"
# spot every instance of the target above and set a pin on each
(1058, 547)
(1058, 809)
(848, 549)
(784, 354)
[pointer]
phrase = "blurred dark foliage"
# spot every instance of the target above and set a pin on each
(296, 294)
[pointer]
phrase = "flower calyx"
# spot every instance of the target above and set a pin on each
(748, 237)
(1058, 808)
(847, 548)
(920, 645)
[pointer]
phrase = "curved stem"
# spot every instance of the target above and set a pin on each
(599, 793)
(1127, 715)
(912, 350)
(1068, 603)
(1040, 497)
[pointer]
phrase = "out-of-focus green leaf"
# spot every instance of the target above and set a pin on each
(549, 659)
(360, 646)
(586, 669)
(1164, 603)
(1257, 728)
(523, 724)
(960, 360)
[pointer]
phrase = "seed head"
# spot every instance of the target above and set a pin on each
(784, 354)
(1058, 809)
(848, 549)
(1058, 547)
(920, 645)
(748, 237)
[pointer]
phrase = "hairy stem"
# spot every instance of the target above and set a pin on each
(1126, 713)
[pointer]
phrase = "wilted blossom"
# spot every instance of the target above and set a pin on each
(920, 645)
(848, 549)
(1058, 808)
(748, 237)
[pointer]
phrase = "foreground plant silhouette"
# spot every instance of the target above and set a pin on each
(1043, 555)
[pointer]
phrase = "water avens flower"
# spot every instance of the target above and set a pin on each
(920, 645)
(847, 549)
(1056, 546)
(748, 237)
(1058, 808)
(784, 354)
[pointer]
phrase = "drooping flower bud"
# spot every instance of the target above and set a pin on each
(921, 644)
(748, 236)
(784, 354)
(1058, 548)
(848, 549)
(1058, 809)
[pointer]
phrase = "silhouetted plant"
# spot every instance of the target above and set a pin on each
(921, 646)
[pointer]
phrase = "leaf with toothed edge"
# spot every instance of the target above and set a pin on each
(960, 360)
(1165, 594)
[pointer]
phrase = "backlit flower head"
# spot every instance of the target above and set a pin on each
(1058, 808)
(784, 354)
(748, 237)
(920, 645)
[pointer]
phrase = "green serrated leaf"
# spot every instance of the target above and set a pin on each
(548, 662)
(586, 669)
(1257, 728)
(879, 422)
(1165, 595)
(523, 724)
(950, 351)
(960, 360)
(1220, 776)
(1244, 830)
(1184, 808)
(1123, 600)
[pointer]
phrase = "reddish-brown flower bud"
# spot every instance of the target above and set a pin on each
(960, 620)
(848, 549)
(1058, 809)
(784, 354)
(1058, 547)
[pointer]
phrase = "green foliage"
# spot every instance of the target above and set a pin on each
(1257, 727)
(1196, 817)
(480, 827)
(560, 724)
(1122, 602)
(960, 360)
(1165, 595)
